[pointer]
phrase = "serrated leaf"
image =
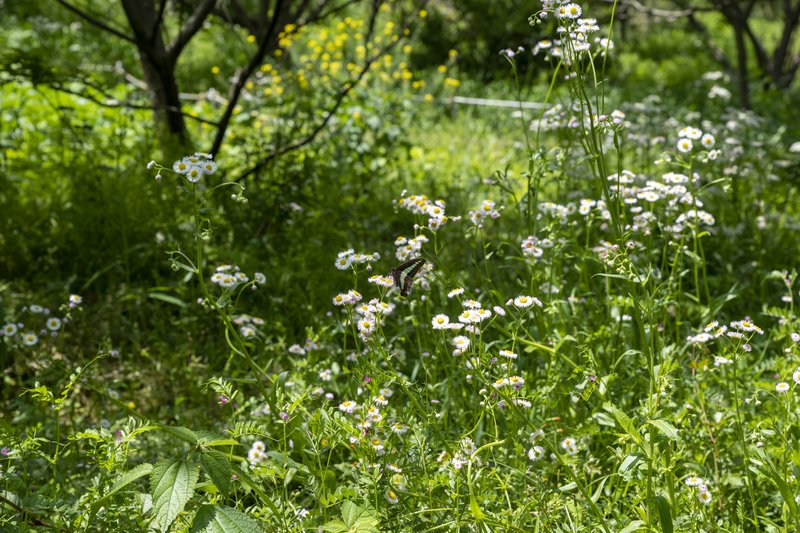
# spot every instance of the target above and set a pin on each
(221, 442)
(670, 431)
(356, 517)
(123, 481)
(625, 422)
(217, 466)
(223, 519)
(335, 526)
(205, 437)
(171, 485)
(181, 432)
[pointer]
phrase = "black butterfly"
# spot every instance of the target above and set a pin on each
(404, 274)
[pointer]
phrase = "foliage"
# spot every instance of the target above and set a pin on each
(602, 336)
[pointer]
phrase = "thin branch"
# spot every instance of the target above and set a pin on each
(716, 52)
(96, 22)
(244, 75)
(655, 12)
(114, 103)
(22, 511)
(343, 92)
(190, 28)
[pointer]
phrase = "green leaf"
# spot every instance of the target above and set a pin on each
(633, 526)
(628, 463)
(123, 481)
(181, 432)
(359, 519)
(768, 470)
(670, 431)
(335, 526)
(664, 514)
(223, 519)
(217, 466)
(167, 298)
(171, 485)
(625, 422)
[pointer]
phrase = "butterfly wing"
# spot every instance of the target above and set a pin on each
(404, 274)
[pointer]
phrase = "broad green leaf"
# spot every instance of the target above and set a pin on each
(181, 432)
(221, 442)
(218, 468)
(335, 526)
(204, 436)
(664, 514)
(359, 519)
(670, 431)
(223, 519)
(124, 480)
(171, 485)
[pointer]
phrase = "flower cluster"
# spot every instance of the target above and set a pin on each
(703, 494)
(351, 297)
(464, 455)
(193, 167)
(257, 455)
(406, 249)
(574, 33)
(369, 315)
(486, 210)
(739, 330)
(534, 247)
(422, 205)
(231, 276)
(348, 258)
(663, 201)
(308, 346)
(688, 135)
(40, 322)
(248, 325)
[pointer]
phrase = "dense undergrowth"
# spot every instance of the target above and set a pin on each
(601, 336)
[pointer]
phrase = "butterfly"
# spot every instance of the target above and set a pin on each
(404, 274)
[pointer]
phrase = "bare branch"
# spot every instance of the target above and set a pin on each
(96, 22)
(342, 94)
(244, 75)
(190, 28)
(716, 52)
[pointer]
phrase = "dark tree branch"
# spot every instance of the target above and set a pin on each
(716, 52)
(19, 510)
(244, 75)
(782, 51)
(96, 22)
(330, 112)
(233, 13)
(112, 102)
(190, 28)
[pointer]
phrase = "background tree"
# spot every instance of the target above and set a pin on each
(161, 31)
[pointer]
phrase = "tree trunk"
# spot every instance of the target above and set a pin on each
(741, 66)
(158, 67)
